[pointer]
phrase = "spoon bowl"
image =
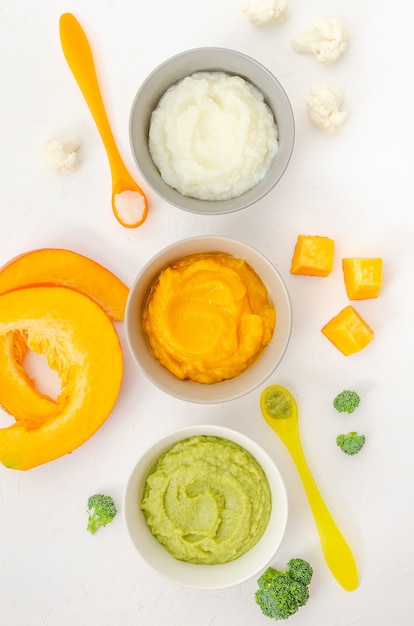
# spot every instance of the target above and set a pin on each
(281, 413)
(129, 202)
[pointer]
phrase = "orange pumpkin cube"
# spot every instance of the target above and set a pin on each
(363, 277)
(313, 256)
(348, 331)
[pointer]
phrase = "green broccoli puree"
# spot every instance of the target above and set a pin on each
(207, 500)
(278, 404)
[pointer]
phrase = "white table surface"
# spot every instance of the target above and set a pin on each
(355, 187)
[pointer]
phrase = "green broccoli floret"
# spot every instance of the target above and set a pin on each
(346, 401)
(300, 570)
(101, 511)
(281, 594)
(351, 443)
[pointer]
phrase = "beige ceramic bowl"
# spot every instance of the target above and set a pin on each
(204, 576)
(226, 390)
(209, 59)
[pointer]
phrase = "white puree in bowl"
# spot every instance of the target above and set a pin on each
(212, 136)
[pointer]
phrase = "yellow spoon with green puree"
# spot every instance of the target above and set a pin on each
(280, 411)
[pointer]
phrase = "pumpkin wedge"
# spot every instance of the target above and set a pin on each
(57, 266)
(81, 344)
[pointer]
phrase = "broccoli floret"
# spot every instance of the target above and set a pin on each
(347, 401)
(281, 594)
(300, 570)
(101, 511)
(351, 443)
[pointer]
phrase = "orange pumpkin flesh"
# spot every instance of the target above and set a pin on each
(18, 395)
(313, 256)
(81, 345)
(20, 398)
(56, 266)
(348, 331)
(363, 277)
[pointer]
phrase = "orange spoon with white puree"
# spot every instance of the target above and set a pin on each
(129, 202)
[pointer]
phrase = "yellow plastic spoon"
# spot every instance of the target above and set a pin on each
(280, 411)
(129, 202)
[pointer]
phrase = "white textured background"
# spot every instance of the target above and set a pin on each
(355, 187)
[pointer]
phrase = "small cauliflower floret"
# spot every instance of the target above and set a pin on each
(262, 12)
(327, 40)
(323, 104)
(60, 155)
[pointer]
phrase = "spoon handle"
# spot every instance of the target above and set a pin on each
(337, 553)
(79, 57)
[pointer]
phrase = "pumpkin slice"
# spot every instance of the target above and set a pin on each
(81, 344)
(56, 266)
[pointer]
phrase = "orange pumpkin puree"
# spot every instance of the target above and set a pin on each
(208, 317)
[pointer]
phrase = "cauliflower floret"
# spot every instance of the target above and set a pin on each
(327, 40)
(60, 155)
(262, 12)
(323, 104)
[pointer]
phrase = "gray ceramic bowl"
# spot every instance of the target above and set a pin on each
(177, 68)
(204, 576)
(226, 390)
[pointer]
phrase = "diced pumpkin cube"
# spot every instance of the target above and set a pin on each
(313, 256)
(348, 331)
(363, 277)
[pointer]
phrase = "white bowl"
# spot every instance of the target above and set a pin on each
(204, 576)
(172, 71)
(226, 390)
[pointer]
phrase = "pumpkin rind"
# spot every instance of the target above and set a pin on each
(81, 344)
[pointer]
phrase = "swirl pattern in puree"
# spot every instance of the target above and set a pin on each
(208, 317)
(207, 500)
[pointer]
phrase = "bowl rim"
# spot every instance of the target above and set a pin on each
(225, 390)
(188, 62)
(205, 577)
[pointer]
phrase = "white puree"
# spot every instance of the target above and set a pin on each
(130, 206)
(212, 136)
